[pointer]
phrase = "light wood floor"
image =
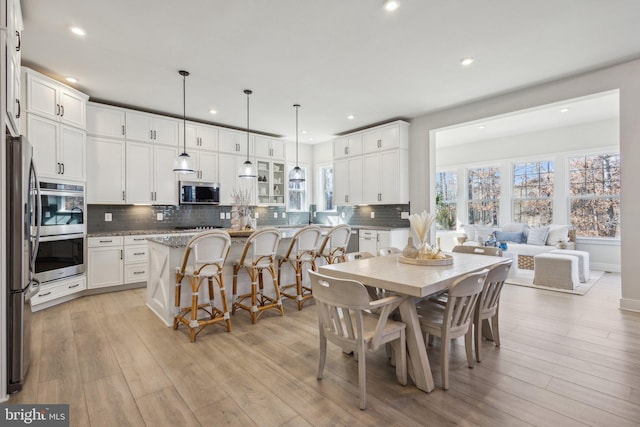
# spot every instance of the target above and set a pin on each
(565, 360)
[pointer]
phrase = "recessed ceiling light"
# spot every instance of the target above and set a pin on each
(78, 31)
(390, 5)
(303, 131)
(564, 110)
(482, 127)
(212, 111)
(351, 117)
(310, 138)
(72, 80)
(466, 61)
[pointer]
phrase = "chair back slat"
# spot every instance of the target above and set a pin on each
(305, 241)
(261, 246)
(493, 287)
(334, 245)
(207, 249)
(463, 297)
(354, 256)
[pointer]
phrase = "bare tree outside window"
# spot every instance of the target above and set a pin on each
(326, 177)
(297, 200)
(533, 193)
(446, 199)
(594, 188)
(483, 195)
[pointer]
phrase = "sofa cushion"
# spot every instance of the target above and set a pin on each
(557, 234)
(505, 236)
(470, 231)
(514, 227)
(538, 236)
(483, 232)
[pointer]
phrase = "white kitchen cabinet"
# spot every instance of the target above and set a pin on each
(372, 240)
(145, 127)
(149, 174)
(386, 175)
(347, 181)
(106, 261)
(53, 100)
(386, 137)
(136, 259)
(267, 148)
(58, 289)
(12, 59)
(201, 137)
(206, 165)
(229, 179)
(272, 182)
(105, 121)
(105, 171)
(235, 142)
(346, 146)
(58, 150)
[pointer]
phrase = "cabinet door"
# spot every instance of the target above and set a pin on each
(72, 109)
(372, 176)
(139, 172)
(229, 141)
(42, 97)
(14, 109)
(383, 240)
(165, 130)
(165, 181)
(105, 121)
(263, 147)
(208, 166)
(228, 174)
(105, 267)
(339, 148)
(383, 138)
(390, 176)
(192, 137)
(105, 170)
(71, 148)
(340, 182)
(277, 149)
(138, 127)
(43, 135)
(208, 138)
(355, 179)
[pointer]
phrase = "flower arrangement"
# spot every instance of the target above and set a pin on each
(240, 212)
(421, 224)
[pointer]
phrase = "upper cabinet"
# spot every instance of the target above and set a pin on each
(13, 46)
(145, 127)
(200, 137)
(53, 100)
(386, 137)
(267, 148)
(346, 146)
(105, 121)
(235, 142)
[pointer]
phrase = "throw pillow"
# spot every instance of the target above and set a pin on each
(470, 231)
(538, 236)
(514, 227)
(483, 233)
(504, 236)
(557, 234)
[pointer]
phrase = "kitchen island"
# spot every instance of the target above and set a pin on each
(165, 257)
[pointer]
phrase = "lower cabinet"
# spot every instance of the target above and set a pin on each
(136, 259)
(106, 266)
(58, 289)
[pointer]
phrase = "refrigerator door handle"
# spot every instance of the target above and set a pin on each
(35, 288)
(38, 216)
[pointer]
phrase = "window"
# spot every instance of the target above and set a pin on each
(483, 195)
(594, 191)
(533, 193)
(446, 200)
(297, 193)
(326, 189)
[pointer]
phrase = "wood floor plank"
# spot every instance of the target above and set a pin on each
(225, 412)
(110, 402)
(166, 407)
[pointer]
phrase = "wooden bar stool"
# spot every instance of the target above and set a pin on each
(258, 256)
(207, 251)
(334, 245)
(302, 250)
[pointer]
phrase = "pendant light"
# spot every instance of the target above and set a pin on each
(297, 173)
(184, 163)
(247, 170)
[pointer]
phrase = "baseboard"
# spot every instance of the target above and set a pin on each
(630, 304)
(602, 266)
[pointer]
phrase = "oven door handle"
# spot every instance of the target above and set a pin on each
(38, 215)
(62, 237)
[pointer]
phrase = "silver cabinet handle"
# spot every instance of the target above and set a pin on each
(62, 109)
(123, 195)
(138, 272)
(57, 109)
(18, 41)
(106, 241)
(122, 129)
(73, 286)
(150, 134)
(19, 109)
(62, 168)
(139, 253)
(120, 253)
(44, 295)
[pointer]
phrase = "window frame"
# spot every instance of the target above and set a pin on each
(550, 199)
(469, 191)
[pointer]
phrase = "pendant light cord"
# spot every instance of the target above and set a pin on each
(297, 106)
(248, 92)
(184, 113)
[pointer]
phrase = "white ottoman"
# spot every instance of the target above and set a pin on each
(583, 261)
(556, 270)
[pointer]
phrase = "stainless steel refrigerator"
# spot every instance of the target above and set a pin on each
(23, 206)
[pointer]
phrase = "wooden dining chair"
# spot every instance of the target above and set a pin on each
(258, 257)
(301, 252)
(334, 246)
(204, 259)
(355, 256)
(454, 319)
(345, 319)
(477, 250)
(486, 314)
(388, 251)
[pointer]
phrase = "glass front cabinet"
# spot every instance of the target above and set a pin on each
(271, 182)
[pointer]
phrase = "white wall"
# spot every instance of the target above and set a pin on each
(623, 77)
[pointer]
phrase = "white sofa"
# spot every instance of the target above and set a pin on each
(531, 241)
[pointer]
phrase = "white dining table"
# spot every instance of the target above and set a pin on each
(417, 281)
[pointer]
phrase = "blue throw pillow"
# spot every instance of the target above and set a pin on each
(505, 236)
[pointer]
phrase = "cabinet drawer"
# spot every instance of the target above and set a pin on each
(55, 290)
(136, 273)
(136, 254)
(96, 242)
(136, 240)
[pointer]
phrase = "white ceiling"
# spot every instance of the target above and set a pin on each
(334, 57)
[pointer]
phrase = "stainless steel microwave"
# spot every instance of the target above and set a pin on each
(199, 193)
